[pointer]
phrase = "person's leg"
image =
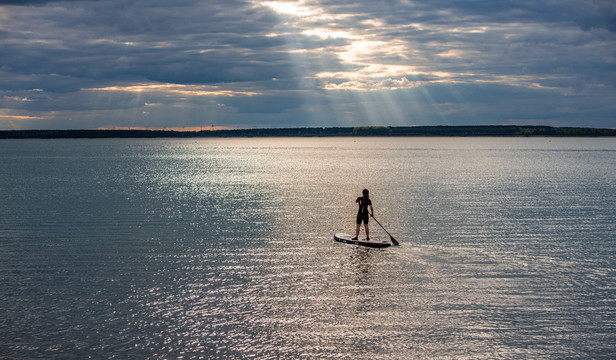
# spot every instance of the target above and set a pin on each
(357, 230)
(367, 231)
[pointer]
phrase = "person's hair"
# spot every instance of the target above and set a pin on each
(366, 194)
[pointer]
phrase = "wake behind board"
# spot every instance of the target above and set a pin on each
(346, 238)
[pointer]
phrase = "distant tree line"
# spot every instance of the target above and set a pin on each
(505, 130)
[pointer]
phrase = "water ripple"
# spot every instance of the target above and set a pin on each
(223, 249)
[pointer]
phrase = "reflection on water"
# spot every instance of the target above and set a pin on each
(222, 248)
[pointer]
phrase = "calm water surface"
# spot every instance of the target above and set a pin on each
(222, 248)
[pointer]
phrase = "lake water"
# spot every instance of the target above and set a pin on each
(223, 248)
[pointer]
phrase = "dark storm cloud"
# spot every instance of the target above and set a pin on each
(586, 14)
(288, 63)
(81, 101)
(125, 40)
(28, 2)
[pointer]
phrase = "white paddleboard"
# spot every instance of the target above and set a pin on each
(348, 239)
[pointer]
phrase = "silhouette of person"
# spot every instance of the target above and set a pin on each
(363, 215)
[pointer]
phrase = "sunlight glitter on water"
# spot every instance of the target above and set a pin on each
(222, 248)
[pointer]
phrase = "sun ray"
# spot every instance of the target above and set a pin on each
(383, 76)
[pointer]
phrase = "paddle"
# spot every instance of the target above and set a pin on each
(393, 241)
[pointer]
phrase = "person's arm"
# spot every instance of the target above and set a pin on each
(371, 210)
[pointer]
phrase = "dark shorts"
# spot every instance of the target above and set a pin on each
(363, 217)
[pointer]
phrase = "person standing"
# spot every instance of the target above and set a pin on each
(363, 215)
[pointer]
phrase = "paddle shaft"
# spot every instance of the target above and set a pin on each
(393, 241)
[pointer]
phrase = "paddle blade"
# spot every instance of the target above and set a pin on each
(394, 241)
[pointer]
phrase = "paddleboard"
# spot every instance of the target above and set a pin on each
(346, 238)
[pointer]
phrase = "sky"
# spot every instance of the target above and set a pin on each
(209, 64)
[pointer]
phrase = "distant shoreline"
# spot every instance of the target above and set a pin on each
(394, 131)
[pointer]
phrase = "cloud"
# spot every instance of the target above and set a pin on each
(144, 41)
(251, 63)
